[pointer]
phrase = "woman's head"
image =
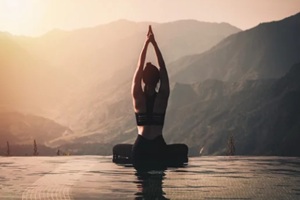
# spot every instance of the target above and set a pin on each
(150, 75)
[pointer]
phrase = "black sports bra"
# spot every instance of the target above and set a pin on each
(150, 118)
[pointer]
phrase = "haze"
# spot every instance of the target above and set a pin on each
(35, 17)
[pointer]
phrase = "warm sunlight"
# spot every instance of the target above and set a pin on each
(15, 8)
(17, 14)
(35, 17)
(149, 99)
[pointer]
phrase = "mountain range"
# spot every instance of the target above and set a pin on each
(225, 82)
(262, 115)
(265, 51)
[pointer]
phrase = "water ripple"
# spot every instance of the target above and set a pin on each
(95, 177)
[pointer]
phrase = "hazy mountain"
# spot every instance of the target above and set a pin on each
(265, 51)
(95, 54)
(20, 128)
(27, 82)
(237, 86)
(262, 115)
(207, 113)
(189, 104)
(69, 76)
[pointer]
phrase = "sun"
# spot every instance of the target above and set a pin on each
(14, 10)
(13, 3)
(16, 15)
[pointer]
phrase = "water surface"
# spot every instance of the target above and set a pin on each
(96, 177)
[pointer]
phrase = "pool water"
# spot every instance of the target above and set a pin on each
(96, 177)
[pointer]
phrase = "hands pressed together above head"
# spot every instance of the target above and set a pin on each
(150, 36)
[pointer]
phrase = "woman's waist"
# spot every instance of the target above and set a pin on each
(150, 131)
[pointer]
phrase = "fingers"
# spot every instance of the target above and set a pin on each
(150, 35)
(150, 29)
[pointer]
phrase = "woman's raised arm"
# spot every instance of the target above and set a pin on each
(136, 88)
(164, 78)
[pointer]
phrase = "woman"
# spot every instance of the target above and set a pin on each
(150, 108)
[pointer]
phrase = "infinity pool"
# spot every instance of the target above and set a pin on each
(96, 177)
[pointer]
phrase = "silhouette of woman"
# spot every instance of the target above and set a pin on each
(150, 107)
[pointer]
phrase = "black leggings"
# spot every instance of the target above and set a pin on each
(146, 151)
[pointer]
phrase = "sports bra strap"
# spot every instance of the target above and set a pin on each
(143, 119)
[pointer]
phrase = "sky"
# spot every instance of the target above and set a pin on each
(36, 17)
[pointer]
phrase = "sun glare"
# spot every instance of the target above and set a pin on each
(34, 17)
(15, 7)
(13, 3)
(17, 14)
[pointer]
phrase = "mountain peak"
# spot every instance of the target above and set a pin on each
(297, 15)
(288, 21)
(264, 52)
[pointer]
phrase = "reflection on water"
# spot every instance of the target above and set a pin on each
(150, 184)
(94, 177)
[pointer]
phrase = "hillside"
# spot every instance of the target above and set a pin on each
(263, 52)
(94, 55)
(232, 99)
(263, 116)
(245, 86)
(20, 128)
(69, 76)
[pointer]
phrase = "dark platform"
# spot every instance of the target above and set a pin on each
(177, 156)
